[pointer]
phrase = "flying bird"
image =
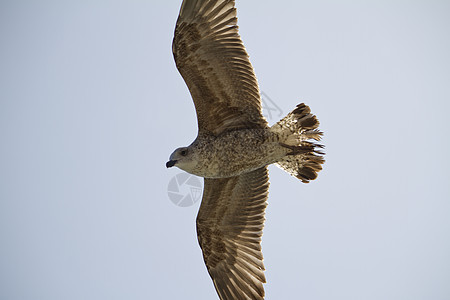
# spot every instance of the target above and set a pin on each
(234, 145)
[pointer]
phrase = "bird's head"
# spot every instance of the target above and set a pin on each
(183, 158)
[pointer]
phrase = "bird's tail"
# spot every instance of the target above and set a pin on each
(296, 133)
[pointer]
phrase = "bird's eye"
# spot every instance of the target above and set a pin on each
(183, 152)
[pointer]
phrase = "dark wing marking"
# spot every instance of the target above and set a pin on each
(229, 227)
(211, 57)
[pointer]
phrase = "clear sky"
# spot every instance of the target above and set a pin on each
(91, 106)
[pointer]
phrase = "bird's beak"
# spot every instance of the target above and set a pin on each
(170, 163)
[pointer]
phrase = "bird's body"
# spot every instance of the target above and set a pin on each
(221, 156)
(234, 145)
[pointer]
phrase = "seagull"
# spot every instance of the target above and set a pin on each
(234, 145)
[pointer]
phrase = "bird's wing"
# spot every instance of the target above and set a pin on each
(211, 57)
(229, 228)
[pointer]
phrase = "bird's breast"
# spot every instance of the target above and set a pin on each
(236, 152)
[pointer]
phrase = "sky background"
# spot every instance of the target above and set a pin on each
(91, 106)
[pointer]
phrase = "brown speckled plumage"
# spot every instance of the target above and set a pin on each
(234, 145)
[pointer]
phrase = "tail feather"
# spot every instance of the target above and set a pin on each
(303, 156)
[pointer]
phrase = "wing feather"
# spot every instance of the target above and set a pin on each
(229, 227)
(212, 59)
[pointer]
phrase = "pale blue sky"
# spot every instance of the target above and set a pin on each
(91, 106)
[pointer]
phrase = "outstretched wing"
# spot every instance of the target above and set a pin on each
(210, 56)
(229, 228)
